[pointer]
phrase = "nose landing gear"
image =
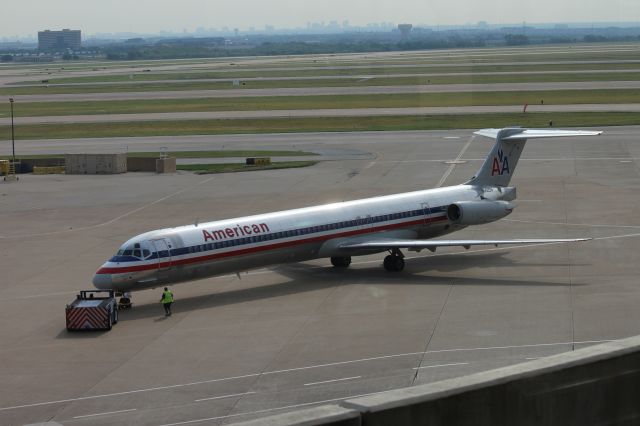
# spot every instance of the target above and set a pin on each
(125, 300)
(394, 262)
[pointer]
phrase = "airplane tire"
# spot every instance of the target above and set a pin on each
(393, 263)
(388, 263)
(341, 262)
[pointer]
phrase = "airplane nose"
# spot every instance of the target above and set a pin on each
(102, 281)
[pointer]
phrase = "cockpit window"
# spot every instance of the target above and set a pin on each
(140, 251)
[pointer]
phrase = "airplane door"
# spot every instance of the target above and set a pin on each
(163, 248)
(426, 211)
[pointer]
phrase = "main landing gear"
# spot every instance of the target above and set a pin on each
(341, 261)
(394, 262)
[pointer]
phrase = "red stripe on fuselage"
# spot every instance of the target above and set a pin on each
(198, 259)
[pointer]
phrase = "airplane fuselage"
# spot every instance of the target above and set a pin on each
(203, 250)
(339, 230)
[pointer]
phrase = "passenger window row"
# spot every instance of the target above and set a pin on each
(293, 233)
(141, 252)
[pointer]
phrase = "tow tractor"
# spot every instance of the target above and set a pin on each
(92, 310)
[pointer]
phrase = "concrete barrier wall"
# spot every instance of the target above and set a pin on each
(166, 165)
(146, 164)
(88, 164)
(591, 386)
(333, 415)
(141, 164)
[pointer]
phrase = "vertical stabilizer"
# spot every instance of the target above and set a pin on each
(502, 159)
(501, 162)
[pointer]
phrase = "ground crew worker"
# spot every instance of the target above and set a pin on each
(167, 300)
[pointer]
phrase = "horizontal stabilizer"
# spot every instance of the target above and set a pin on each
(433, 244)
(501, 162)
(535, 133)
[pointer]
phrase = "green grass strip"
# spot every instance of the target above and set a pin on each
(401, 100)
(422, 69)
(229, 168)
(316, 124)
(322, 82)
(191, 154)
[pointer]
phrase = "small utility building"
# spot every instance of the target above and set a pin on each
(92, 164)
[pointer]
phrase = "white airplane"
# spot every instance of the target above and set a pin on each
(337, 231)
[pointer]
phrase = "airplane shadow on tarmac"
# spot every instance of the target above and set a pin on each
(306, 277)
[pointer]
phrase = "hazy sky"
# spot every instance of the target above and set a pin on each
(26, 17)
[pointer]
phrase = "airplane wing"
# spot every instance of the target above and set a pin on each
(433, 244)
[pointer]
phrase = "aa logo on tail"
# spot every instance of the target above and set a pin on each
(500, 164)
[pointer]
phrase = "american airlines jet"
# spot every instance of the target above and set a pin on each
(337, 231)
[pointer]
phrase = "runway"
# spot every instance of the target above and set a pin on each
(302, 334)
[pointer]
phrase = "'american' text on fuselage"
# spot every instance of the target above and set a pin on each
(238, 231)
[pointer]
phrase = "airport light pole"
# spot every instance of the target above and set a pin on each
(13, 139)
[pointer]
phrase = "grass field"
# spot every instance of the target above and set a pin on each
(319, 72)
(553, 64)
(191, 154)
(582, 51)
(228, 168)
(444, 99)
(316, 124)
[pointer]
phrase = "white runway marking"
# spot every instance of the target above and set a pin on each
(440, 365)
(369, 165)
(224, 396)
(269, 409)
(104, 414)
(376, 358)
(115, 219)
(332, 381)
(454, 162)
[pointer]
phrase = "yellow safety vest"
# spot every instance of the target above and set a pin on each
(167, 297)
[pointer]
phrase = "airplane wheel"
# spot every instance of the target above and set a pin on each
(393, 263)
(341, 262)
(388, 263)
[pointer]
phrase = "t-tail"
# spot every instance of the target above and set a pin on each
(501, 162)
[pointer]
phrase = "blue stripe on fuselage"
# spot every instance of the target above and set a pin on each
(285, 234)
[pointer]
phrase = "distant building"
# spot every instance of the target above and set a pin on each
(59, 40)
(405, 29)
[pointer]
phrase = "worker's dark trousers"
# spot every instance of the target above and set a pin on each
(167, 308)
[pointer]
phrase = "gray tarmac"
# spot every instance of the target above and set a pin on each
(332, 91)
(302, 113)
(302, 334)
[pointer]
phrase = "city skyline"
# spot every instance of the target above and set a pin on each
(153, 17)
